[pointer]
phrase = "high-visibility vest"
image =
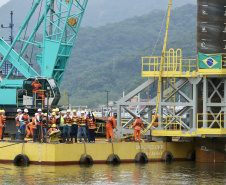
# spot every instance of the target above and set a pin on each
(17, 120)
(58, 120)
(91, 123)
(4, 120)
(1, 121)
(75, 120)
(61, 121)
(138, 122)
(110, 121)
(67, 121)
(25, 117)
(40, 117)
(82, 121)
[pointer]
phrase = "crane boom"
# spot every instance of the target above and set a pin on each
(60, 22)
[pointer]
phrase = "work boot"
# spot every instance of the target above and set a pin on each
(109, 140)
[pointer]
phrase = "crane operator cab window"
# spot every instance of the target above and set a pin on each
(40, 92)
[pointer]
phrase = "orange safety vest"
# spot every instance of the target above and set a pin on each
(138, 123)
(1, 121)
(91, 124)
(40, 116)
(58, 120)
(17, 121)
(68, 120)
(75, 120)
(36, 86)
(4, 120)
(25, 117)
(82, 121)
(110, 121)
(52, 129)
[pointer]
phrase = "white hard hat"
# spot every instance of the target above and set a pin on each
(19, 110)
(68, 110)
(39, 110)
(36, 114)
(25, 110)
(82, 112)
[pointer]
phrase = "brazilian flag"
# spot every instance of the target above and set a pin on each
(209, 61)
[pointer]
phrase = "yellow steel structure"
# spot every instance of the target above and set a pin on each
(18, 99)
(173, 65)
(215, 123)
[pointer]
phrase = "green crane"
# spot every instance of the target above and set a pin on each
(59, 23)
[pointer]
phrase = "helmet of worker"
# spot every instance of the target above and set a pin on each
(19, 110)
(25, 110)
(0, 111)
(53, 126)
(3, 110)
(82, 112)
(54, 110)
(68, 110)
(45, 114)
(53, 113)
(115, 115)
(57, 109)
(74, 110)
(138, 116)
(39, 110)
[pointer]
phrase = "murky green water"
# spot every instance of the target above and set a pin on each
(152, 173)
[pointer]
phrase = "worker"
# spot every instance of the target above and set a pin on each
(61, 125)
(52, 119)
(91, 127)
(17, 117)
(34, 127)
(44, 124)
(74, 126)
(36, 86)
(39, 118)
(110, 125)
(1, 124)
(155, 124)
(24, 119)
(4, 122)
(58, 117)
(53, 128)
(29, 128)
(137, 125)
(82, 127)
(67, 125)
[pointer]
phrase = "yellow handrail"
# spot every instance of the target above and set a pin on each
(21, 98)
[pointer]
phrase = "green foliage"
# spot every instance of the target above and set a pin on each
(109, 57)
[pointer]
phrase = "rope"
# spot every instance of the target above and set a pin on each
(159, 34)
(160, 73)
(113, 148)
(35, 35)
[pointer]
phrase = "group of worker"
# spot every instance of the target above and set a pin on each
(71, 125)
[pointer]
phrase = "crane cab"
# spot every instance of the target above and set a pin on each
(48, 94)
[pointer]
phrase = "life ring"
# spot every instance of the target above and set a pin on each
(167, 157)
(113, 159)
(141, 158)
(21, 160)
(191, 156)
(86, 160)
